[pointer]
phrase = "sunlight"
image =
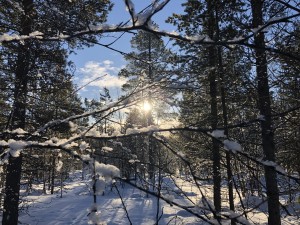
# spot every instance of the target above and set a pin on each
(147, 106)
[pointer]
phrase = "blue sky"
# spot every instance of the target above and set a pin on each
(98, 61)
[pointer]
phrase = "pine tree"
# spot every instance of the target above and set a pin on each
(204, 70)
(264, 106)
(287, 98)
(23, 58)
(148, 64)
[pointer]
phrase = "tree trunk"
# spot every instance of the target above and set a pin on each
(52, 174)
(151, 150)
(225, 116)
(14, 167)
(225, 122)
(214, 108)
(264, 104)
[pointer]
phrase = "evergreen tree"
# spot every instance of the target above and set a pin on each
(205, 70)
(21, 60)
(287, 98)
(148, 64)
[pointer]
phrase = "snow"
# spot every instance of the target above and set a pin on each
(238, 217)
(133, 161)
(199, 38)
(86, 158)
(16, 147)
(107, 171)
(83, 146)
(3, 143)
(94, 215)
(15, 37)
(8, 37)
(196, 37)
(18, 131)
(36, 34)
(73, 126)
(93, 132)
(218, 134)
(261, 117)
(237, 39)
(277, 167)
(100, 186)
(181, 154)
(76, 206)
(232, 146)
(107, 149)
(102, 27)
(59, 165)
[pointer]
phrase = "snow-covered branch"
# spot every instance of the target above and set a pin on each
(142, 21)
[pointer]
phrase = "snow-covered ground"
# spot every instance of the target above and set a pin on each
(77, 198)
(72, 208)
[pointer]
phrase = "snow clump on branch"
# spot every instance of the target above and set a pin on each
(83, 146)
(107, 171)
(107, 149)
(16, 147)
(217, 134)
(232, 146)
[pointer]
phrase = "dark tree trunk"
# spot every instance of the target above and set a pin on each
(214, 107)
(264, 104)
(151, 150)
(225, 122)
(225, 116)
(12, 188)
(52, 174)
(215, 144)
(14, 167)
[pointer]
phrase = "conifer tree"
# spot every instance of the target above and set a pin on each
(21, 60)
(148, 63)
(202, 65)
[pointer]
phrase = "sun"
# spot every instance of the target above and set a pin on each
(147, 106)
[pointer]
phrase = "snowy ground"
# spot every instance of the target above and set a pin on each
(72, 208)
(77, 198)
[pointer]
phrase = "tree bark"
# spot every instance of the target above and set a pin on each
(264, 105)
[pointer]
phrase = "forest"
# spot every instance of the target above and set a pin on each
(207, 125)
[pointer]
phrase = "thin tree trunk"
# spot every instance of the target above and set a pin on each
(225, 116)
(225, 121)
(264, 104)
(44, 173)
(151, 147)
(52, 174)
(214, 108)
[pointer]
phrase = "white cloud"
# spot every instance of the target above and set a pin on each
(106, 73)
(108, 62)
